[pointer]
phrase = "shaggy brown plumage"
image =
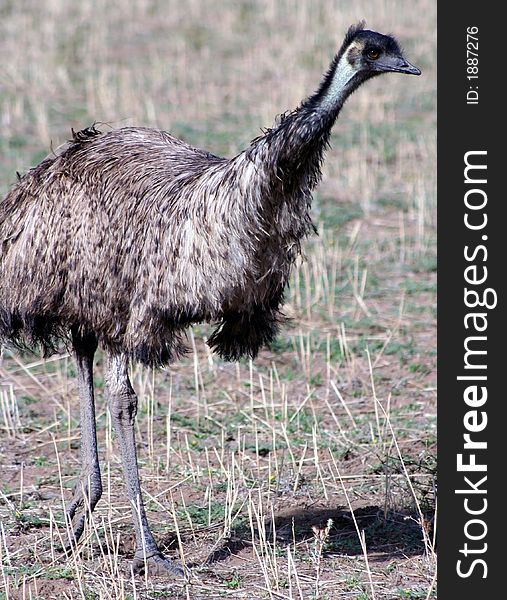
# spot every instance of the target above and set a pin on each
(133, 235)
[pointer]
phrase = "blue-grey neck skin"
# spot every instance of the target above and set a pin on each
(340, 86)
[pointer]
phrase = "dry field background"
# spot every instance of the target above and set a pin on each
(311, 472)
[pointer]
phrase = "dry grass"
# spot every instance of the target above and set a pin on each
(310, 473)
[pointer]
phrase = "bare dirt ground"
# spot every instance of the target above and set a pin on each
(309, 473)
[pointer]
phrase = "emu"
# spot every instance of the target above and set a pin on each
(124, 239)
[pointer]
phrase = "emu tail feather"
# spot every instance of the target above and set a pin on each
(32, 331)
(243, 335)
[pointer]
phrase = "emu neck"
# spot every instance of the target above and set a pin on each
(340, 81)
(294, 149)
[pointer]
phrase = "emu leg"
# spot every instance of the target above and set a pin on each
(123, 409)
(88, 489)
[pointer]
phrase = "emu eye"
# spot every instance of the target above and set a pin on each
(373, 53)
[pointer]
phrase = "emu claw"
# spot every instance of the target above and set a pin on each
(157, 564)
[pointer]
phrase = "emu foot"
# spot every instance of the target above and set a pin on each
(78, 511)
(157, 564)
(76, 514)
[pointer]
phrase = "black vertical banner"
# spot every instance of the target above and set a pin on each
(472, 522)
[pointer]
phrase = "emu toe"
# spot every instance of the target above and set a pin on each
(158, 565)
(76, 515)
(79, 509)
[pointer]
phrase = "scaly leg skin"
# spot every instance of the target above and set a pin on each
(123, 409)
(88, 489)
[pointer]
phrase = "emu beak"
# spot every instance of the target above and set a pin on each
(409, 69)
(400, 65)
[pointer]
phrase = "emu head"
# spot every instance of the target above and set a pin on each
(370, 53)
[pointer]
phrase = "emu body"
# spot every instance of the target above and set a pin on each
(133, 234)
(123, 239)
